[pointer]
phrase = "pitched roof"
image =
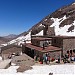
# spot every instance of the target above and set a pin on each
(63, 37)
(40, 38)
(47, 49)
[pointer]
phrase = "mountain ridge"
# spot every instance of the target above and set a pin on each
(12, 36)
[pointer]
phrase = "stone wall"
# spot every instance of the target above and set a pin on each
(55, 54)
(35, 42)
(68, 44)
(50, 31)
(58, 42)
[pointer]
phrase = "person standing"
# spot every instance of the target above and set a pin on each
(49, 59)
(46, 59)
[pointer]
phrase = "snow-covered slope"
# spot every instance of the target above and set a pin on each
(62, 31)
(21, 39)
(63, 21)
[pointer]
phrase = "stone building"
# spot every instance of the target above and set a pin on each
(39, 46)
(49, 43)
(67, 43)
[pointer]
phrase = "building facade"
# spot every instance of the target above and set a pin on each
(67, 43)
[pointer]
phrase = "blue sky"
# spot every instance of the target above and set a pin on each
(17, 16)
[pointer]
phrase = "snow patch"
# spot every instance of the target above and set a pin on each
(74, 26)
(10, 70)
(55, 69)
(4, 44)
(73, 3)
(62, 31)
(57, 21)
(40, 33)
(63, 69)
(45, 20)
(41, 25)
(12, 64)
(0, 58)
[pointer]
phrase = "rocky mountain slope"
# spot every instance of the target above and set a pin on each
(61, 22)
(3, 40)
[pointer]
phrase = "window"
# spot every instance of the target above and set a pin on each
(49, 42)
(46, 43)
